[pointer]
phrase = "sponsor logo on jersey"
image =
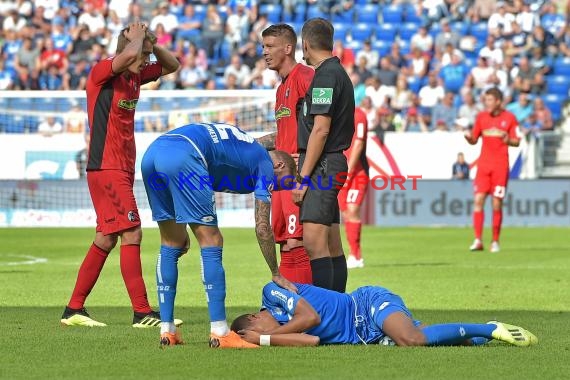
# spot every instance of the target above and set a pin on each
(282, 112)
(383, 306)
(278, 294)
(493, 132)
(322, 95)
(290, 303)
(128, 104)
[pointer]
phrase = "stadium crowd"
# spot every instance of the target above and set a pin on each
(415, 65)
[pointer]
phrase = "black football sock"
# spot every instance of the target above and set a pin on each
(322, 269)
(340, 274)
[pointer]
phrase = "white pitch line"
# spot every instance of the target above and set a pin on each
(31, 260)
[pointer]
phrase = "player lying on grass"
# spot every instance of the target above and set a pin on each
(368, 315)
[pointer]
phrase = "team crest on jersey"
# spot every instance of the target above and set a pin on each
(282, 112)
(128, 104)
(133, 216)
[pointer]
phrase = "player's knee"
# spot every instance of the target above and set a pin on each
(212, 239)
(106, 242)
(132, 236)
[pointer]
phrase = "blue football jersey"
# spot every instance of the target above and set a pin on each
(337, 311)
(236, 162)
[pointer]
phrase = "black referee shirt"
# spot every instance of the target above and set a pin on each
(331, 93)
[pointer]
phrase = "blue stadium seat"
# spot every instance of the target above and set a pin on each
(460, 27)
(340, 31)
(45, 104)
(383, 47)
(273, 12)
(368, 13)
(561, 66)
(361, 32)
(405, 47)
(314, 11)
(386, 32)
(220, 83)
(144, 104)
(410, 14)
(139, 124)
(470, 62)
(434, 30)
(346, 16)
(479, 31)
(392, 14)
(555, 103)
(300, 12)
(297, 26)
(557, 85)
(408, 30)
(15, 124)
(354, 45)
(200, 11)
(414, 83)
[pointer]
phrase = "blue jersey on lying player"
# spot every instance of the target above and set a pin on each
(345, 318)
(235, 162)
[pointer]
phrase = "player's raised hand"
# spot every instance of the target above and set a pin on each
(135, 31)
(151, 37)
(249, 336)
(505, 137)
(284, 283)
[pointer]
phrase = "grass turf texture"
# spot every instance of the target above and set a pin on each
(526, 284)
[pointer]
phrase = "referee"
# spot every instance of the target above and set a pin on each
(325, 129)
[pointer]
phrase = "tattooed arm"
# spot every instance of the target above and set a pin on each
(266, 241)
(267, 141)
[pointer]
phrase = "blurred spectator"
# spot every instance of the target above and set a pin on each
(362, 70)
(387, 73)
(50, 79)
(501, 19)
(239, 70)
(192, 76)
(82, 157)
(518, 42)
(39, 21)
(372, 56)
(542, 114)
(199, 55)
(163, 38)
(26, 63)
(543, 39)
(527, 19)
(480, 75)
(153, 122)
(7, 77)
(429, 96)
(454, 74)
(385, 122)
(490, 51)
(190, 25)
(52, 56)
(346, 55)
(75, 120)
(418, 64)
(378, 93)
(178, 118)
(521, 108)
(481, 10)
(422, 40)
(168, 82)
(435, 10)
(370, 111)
(539, 62)
(261, 77)
(61, 39)
(164, 17)
(76, 78)
(402, 98)
(49, 127)
(413, 122)
(445, 112)
(82, 44)
(527, 78)
(14, 21)
(448, 53)
(259, 26)
(446, 36)
(237, 26)
(395, 57)
(564, 44)
(248, 52)
(212, 31)
(460, 169)
(121, 9)
(531, 126)
(469, 109)
(359, 87)
(93, 19)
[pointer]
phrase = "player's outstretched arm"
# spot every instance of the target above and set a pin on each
(283, 340)
(266, 241)
(304, 319)
(267, 141)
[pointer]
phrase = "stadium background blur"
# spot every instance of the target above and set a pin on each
(416, 67)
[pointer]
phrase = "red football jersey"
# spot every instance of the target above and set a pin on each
(111, 102)
(290, 95)
(360, 133)
(491, 128)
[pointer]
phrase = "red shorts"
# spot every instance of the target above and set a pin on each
(113, 199)
(285, 217)
(354, 191)
(491, 180)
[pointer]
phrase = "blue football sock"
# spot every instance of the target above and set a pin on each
(479, 341)
(455, 333)
(166, 280)
(214, 280)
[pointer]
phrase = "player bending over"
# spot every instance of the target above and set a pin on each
(499, 130)
(369, 315)
(181, 171)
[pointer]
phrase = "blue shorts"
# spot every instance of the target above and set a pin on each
(176, 181)
(373, 305)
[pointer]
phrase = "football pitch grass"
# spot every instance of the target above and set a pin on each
(527, 284)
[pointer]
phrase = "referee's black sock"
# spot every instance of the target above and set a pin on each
(340, 274)
(322, 269)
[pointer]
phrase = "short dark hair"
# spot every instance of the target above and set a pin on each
(281, 30)
(495, 92)
(287, 160)
(240, 323)
(318, 33)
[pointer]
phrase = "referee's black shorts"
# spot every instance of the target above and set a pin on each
(320, 204)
